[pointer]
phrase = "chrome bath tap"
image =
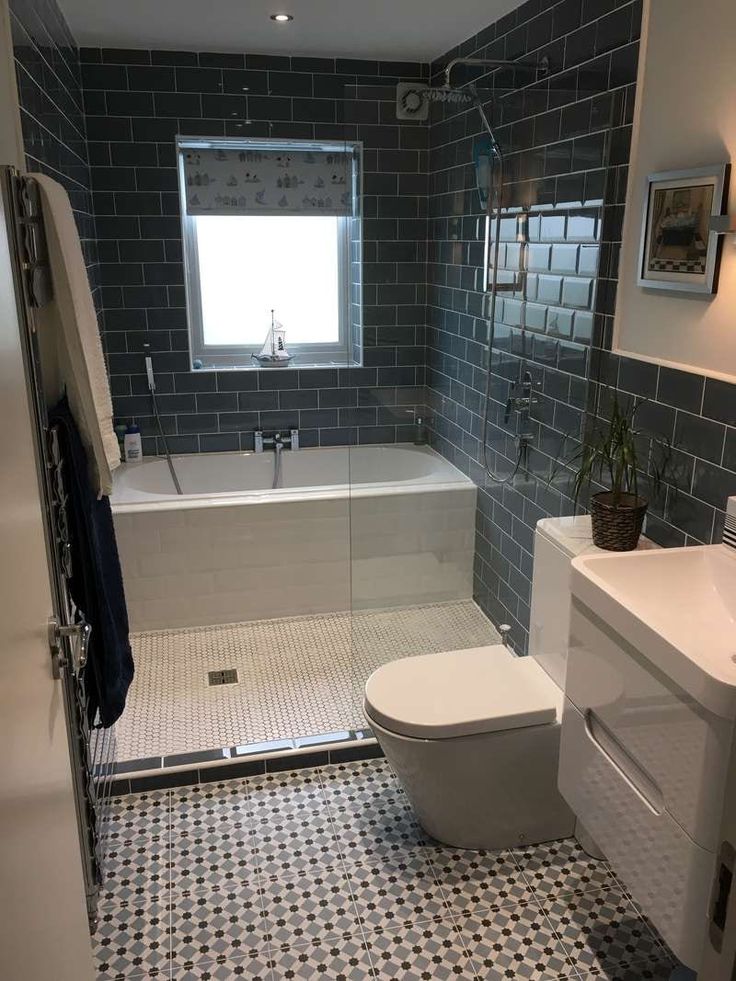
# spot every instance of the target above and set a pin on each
(278, 442)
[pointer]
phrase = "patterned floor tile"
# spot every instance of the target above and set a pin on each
(255, 965)
(514, 942)
(371, 834)
(196, 814)
(477, 880)
(559, 868)
(132, 941)
(638, 972)
(214, 819)
(214, 860)
(421, 952)
(136, 870)
(226, 796)
(352, 787)
(306, 908)
(373, 805)
(294, 844)
(395, 892)
(139, 815)
(602, 930)
(219, 927)
(342, 875)
(351, 779)
(285, 793)
(331, 960)
(386, 813)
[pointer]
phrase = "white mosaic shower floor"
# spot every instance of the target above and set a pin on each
(298, 676)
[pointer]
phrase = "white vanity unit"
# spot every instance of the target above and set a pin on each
(648, 724)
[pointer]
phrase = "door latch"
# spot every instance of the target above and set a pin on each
(78, 635)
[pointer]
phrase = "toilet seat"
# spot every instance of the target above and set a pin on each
(461, 693)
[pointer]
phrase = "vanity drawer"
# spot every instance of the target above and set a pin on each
(676, 748)
(668, 874)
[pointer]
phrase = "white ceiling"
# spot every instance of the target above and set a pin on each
(415, 30)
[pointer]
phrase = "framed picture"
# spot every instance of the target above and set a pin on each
(678, 251)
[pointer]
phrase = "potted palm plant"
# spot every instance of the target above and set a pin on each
(614, 455)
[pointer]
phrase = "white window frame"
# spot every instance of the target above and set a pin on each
(214, 357)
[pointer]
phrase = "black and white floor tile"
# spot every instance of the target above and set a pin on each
(322, 663)
(325, 873)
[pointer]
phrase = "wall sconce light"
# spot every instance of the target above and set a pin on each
(723, 225)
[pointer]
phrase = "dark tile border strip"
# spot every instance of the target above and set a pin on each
(244, 761)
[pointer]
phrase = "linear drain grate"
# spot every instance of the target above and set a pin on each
(227, 677)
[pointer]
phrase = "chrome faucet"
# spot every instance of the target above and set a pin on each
(520, 403)
(278, 441)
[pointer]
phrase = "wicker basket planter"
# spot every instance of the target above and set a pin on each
(617, 528)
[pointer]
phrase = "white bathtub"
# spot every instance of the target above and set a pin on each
(365, 527)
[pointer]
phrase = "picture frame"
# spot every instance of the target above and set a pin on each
(678, 250)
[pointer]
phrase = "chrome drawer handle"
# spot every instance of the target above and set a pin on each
(630, 769)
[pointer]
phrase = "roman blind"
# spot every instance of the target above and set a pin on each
(267, 177)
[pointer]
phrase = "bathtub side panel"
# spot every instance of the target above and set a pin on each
(410, 549)
(200, 566)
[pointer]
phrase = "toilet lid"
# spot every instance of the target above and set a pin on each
(459, 693)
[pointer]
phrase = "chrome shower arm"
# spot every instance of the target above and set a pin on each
(541, 66)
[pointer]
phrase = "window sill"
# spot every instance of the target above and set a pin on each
(295, 365)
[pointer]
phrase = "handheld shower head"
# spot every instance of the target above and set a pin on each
(148, 361)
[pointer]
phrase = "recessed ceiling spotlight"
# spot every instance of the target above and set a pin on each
(282, 18)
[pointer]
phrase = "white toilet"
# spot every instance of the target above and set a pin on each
(474, 735)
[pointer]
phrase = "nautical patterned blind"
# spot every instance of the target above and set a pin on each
(248, 177)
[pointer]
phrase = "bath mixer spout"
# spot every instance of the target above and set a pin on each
(278, 442)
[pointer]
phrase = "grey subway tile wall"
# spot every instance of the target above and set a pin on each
(566, 141)
(137, 102)
(52, 111)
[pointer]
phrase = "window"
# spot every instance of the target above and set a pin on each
(271, 226)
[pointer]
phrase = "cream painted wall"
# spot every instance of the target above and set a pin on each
(43, 919)
(686, 117)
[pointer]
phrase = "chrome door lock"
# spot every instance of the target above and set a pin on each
(78, 635)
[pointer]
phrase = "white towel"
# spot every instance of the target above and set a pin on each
(69, 338)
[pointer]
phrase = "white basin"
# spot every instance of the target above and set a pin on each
(677, 607)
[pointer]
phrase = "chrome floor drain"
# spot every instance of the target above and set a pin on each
(227, 677)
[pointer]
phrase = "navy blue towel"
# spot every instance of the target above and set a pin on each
(96, 585)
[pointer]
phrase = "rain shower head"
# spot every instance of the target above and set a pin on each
(441, 93)
(413, 98)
